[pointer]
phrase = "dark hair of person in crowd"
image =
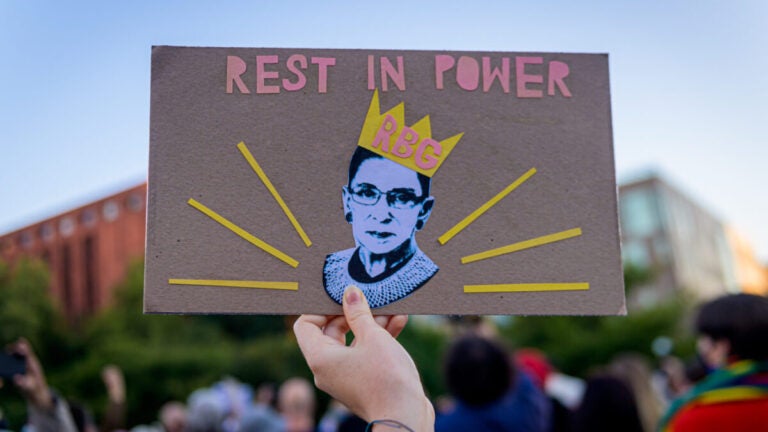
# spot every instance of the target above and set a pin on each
(607, 406)
(82, 417)
(695, 370)
(477, 370)
(740, 319)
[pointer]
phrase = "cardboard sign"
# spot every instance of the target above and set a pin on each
(437, 182)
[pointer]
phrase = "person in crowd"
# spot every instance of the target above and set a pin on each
(565, 389)
(490, 394)
(205, 412)
(671, 379)
(334, 415)
(608, 405)
(635, 371)
(233, 398)
(733, 343)
(46, 410)
(296, 404)
(266, 395)
(82, 417)
(171, 418)
(114, 382)
(536, 364)
(261, 415)
(261, 418)
(374, 376)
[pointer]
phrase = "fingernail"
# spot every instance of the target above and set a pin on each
(353, 295)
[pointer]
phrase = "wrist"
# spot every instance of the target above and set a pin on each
(418, 416)
(44, 399)
(116, 397)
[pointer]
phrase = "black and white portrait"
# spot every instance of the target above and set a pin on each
(386, 204)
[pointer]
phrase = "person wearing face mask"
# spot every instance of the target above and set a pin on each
(733, 343)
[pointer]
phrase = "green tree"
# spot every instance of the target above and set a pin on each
(163, 357)
(26, 310)
(578, 344)
(427, 345)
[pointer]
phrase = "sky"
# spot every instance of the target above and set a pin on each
(689, 81)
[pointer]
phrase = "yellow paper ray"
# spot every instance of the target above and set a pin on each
(538, 241)
(244, 234)
(291, 286)
(443, 239)
(526, 287)
(264, 179)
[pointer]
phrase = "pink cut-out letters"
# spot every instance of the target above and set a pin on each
(468, 73)
(404, 145)
(268, 73)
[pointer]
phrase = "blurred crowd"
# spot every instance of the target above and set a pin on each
(490, 388)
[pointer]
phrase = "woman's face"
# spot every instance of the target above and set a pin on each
(385, 201)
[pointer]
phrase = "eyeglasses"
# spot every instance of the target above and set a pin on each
(369, 195)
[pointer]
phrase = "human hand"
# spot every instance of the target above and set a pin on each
(32, 384)
(114, 382)
(374, 376)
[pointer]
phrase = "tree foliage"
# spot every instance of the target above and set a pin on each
(577, 344)
(26, 308)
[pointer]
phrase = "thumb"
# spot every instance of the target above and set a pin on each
(357, 311)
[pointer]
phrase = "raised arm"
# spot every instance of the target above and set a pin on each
(373, 376)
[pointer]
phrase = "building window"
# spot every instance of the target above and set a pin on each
(635, 252)
(88, 217)
(662, 250)
(111, 211)
(47, 232)
(639, 213)
(135, 202)
(27, 239)
(67, 226)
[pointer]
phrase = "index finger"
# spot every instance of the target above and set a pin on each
(309, 330)
(307, 326)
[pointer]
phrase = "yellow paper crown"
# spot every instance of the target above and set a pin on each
(413, 147)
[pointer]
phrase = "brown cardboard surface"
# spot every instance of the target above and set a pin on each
(303, 141)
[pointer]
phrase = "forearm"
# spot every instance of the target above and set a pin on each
(374, 376)
(114, 417)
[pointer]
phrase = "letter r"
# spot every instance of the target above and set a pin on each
(235, 68)
(387, 128)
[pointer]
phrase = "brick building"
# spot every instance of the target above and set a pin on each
(87, 249)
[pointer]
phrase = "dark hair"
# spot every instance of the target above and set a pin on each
(477, 370)
(361, 154)
(607, 405)
(81, 416)
(742, 320)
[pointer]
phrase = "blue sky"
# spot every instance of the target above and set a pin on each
(688, 82)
